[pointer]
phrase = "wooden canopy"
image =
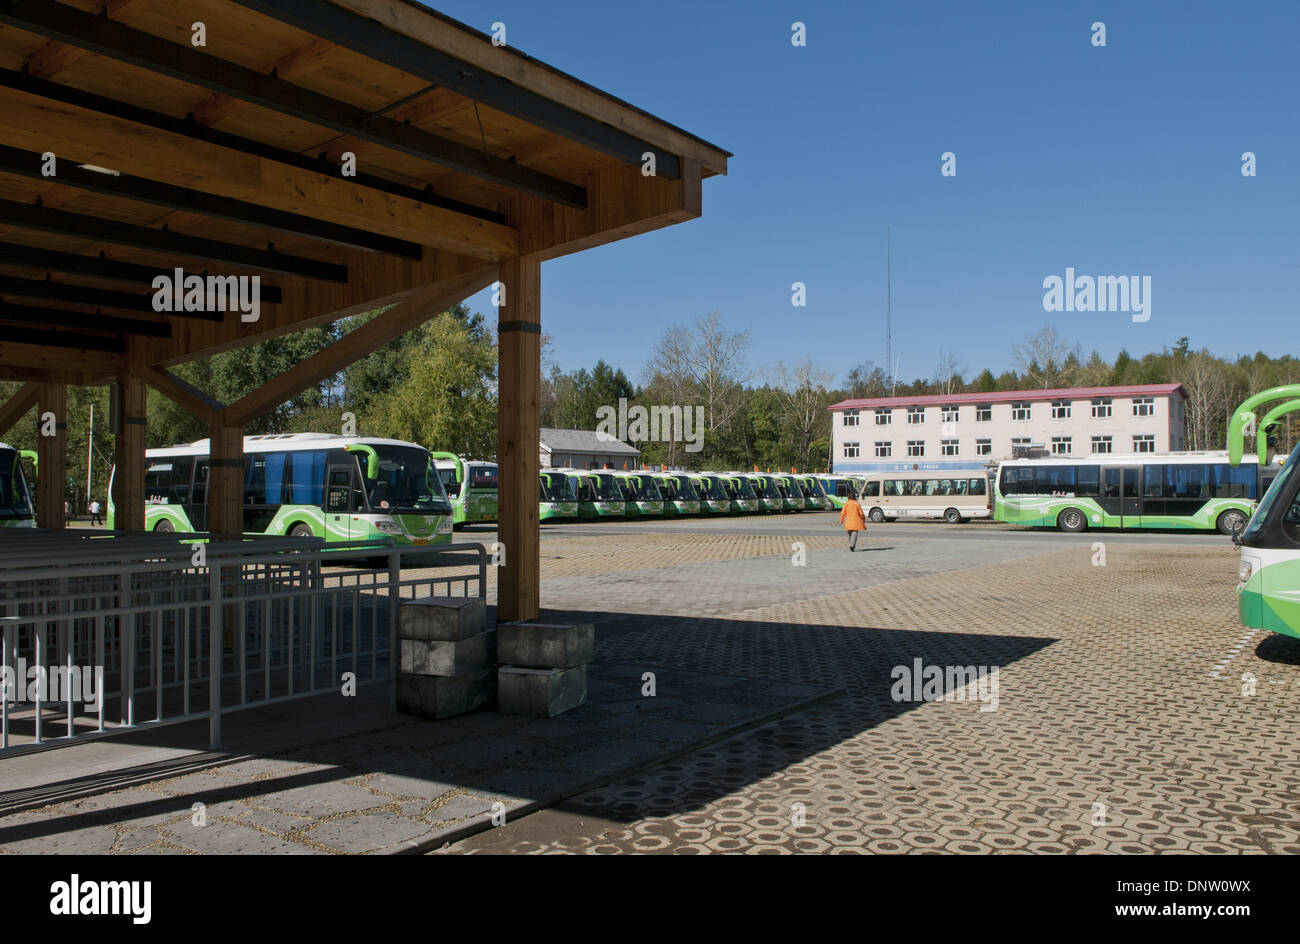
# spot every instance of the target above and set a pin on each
(349, 153)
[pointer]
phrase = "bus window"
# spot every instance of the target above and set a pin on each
(338, 496)
(977, 487)
(1235, 482)
(1153, 477)
(306, 485)
(1087, 481)
(872, 490)
(483, 476)
(1055, 479)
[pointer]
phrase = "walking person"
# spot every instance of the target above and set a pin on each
(853, 520)
(67, 512)
(94, 513)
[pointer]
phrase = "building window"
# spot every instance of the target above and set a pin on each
(916, 415)
(884, 450)
(1145, 442)
(1060, 409)
(915, 448)
(983, 447)
(1102, 444)
(884, 417)
(1062, 445)
(949, 414)
(948, 447)
(851, 418)
(1101, 410)
(983, 414)
(1144, 406)
(851, 450)
(1020, 411)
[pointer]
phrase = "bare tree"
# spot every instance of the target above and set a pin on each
(1041, 359)
(947, 373)
(715, 360)
(804, 399)
(1210, 397)
(668, 374)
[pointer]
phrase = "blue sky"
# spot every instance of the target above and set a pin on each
(1122, 160)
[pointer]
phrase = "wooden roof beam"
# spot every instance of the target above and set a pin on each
(16, 407)
(154, 54)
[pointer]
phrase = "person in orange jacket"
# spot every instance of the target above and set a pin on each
(853, 520)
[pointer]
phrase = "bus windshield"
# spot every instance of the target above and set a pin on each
(404, 483)
(1260, 520)
(683, 489)
(648, 490)
(606, 488)
(557, 488)
(15, 502)
(482, 476)
(714, 490)
(768, 488)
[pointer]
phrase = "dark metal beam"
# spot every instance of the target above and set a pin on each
(110, 106)
(28, 164)
(58, 318)
(99, 267)
(77, 294)
(372, 39)
(64, 223)
(91, 342)
(106, 37)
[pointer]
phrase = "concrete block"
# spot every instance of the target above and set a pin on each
(436, 696)
(540, 693)
(444, 618)
(546, 645)
(444, 657)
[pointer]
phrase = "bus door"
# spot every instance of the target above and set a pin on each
(1120, 497)
(340, 502)
(198, 502)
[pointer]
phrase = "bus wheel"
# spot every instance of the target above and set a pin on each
(300, 531)
(952, 516)
(167, 527)
(1231, 521)
(877, 515)
(1072, 519)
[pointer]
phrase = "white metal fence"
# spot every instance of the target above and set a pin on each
(107, 633)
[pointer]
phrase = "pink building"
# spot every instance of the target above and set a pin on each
(967, 430)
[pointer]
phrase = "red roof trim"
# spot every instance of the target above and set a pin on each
(1004, 396)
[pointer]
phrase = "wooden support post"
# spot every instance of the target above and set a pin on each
(51, 454)
(128, 456)
(518, 437)
(226, 480)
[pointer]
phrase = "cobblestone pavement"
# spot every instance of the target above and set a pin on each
(1121, 722)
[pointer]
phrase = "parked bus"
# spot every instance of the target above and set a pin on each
(559, 495)
(814, 493)
(1176, 490)
(840, 488)
(679, 494)
(715, 498)
(306, 485)
(471, 486)
(741, 492)
(641, 495)
(15, 495)
(955, 495)
(600, 496)
(769, 496)
(1268, 575)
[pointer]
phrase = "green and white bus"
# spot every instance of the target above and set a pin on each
(559, 495)
(471, 486)
(769, 496)
(715, 499)
(740, 490)
(814, 493)
(792, 492)
(643, 499)
(600, 496)
(15, 495)
(1268, 576)
(840, 488)
(679, 494)
(306, 485)
(1175, 490)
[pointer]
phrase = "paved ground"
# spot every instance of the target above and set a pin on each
(1121, 722)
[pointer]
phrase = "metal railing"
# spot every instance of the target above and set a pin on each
(106, 633)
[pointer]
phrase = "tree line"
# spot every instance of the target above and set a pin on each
(437, 386)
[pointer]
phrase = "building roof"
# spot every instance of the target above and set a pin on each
(584, 440)
(1003, 396)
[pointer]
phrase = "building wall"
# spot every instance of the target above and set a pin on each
(588, 460)
(1165, 427)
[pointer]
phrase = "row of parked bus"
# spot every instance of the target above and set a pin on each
(603, 493)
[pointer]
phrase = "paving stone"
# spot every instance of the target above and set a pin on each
(322, 799)
(370, 833)
(540, 693)
(221, 838)
(537, 645)
(445, 657)
(444, 618)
